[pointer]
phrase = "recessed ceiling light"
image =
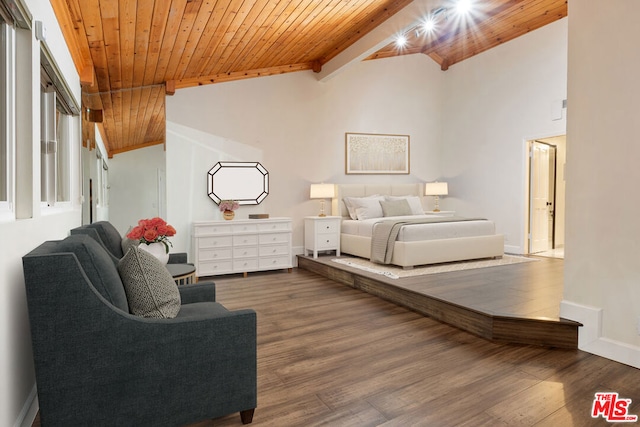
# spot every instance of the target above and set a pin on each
(401, 40)
(429, 25)
(463, 6)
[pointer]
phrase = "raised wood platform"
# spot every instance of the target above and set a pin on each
(514, 303)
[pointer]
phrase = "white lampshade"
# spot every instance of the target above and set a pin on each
(322, 191)
(436, 189)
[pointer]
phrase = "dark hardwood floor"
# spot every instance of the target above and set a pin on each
(516, 303)
(332, 355)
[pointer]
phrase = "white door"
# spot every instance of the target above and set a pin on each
(540, 198)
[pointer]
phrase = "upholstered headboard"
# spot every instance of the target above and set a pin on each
(361, 190)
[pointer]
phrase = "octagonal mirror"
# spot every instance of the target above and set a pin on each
(246, 182)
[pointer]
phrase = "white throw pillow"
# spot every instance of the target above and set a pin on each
(367, 207)
(414, 203)
(351, 208)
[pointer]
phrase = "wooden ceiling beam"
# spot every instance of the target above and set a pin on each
(378, 37)
(226, 77)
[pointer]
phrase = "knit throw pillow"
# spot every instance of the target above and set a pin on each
(150, 289)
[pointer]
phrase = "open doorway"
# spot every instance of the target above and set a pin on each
(546, 196)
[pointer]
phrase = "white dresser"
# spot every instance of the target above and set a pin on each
(241, 246)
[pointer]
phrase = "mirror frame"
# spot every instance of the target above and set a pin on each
(221, 187)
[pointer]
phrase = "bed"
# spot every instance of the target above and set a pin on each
(418, 239)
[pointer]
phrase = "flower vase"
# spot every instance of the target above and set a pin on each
(228, 215)
(157, 249)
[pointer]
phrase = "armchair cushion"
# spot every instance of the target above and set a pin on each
(98, 266)
(150, 289)
(109, 236)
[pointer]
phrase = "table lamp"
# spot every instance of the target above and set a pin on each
(436, 189)
(322, 191)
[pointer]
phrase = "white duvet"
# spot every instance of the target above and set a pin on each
(416, 232)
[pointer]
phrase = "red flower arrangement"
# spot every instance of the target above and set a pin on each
(154, 230)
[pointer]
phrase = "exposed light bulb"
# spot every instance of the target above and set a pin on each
(401, 40)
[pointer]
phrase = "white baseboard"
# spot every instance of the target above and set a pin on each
(510, 249)
(590, 335)
(29, 410)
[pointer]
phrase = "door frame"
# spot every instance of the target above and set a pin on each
(559, 174)
(552, 176)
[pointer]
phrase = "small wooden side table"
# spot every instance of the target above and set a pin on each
(183, 274)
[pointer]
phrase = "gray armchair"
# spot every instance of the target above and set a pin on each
(98, 365)
(107, 235)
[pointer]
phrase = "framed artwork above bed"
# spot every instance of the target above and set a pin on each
(368, 153)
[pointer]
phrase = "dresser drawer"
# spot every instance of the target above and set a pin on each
(249, 239)
(214, 241)
(214, 254)
(328, 227)
(212, 268)
(270, 238)
(327, 241)
(245, 228)
(269, 250)
(245, 264)
(275, 262)
(244, 252)
(274, 226)
(204, 230)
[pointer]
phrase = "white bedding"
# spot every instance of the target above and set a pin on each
(418, 232)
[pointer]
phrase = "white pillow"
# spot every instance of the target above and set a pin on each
(367, 207)
(414, 203)
(348, 202)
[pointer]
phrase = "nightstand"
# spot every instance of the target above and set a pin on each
(321, 233)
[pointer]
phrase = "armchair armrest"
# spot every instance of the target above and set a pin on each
(197, 292)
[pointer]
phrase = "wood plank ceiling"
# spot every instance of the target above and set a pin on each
(130, 53)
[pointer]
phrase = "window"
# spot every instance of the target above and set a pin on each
(4, 141)
(7, 109)
(102, 176)
(57, 133)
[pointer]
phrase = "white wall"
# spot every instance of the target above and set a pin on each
(18, 237)
(297, 126)
(495, 102)
(602, 271)
(133, 177)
